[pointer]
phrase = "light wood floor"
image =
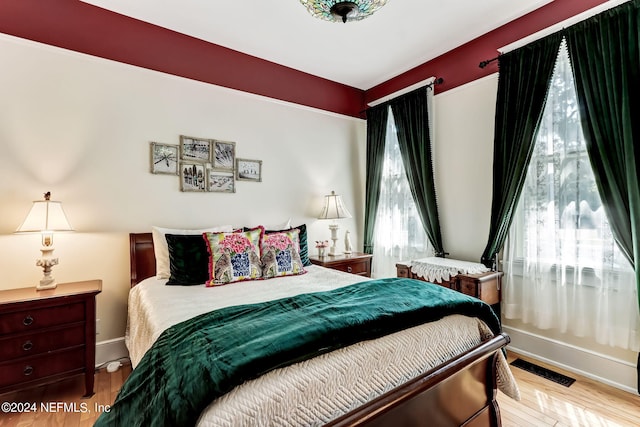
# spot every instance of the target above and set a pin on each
(586, 403)
(544, 403)
(68, 391)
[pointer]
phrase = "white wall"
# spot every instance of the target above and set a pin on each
(463, 155)
(80, 127)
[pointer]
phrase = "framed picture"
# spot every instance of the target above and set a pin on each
(195, 149)
(249, 170)
(224, 155)
(192, 176)
(164, 158)
(220, 181)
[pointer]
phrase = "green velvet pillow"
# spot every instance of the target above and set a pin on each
(304, 248)
(188, 259)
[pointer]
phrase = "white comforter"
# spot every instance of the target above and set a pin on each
(317, 390)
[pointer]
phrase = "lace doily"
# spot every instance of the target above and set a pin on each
(436, 269)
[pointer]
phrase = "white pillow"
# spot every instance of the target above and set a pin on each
(161, 248)
(282, 226)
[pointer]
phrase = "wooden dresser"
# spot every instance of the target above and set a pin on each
(355, 263)
(48, 335)
(485, 286)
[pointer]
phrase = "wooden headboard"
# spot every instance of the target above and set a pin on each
(143, 260)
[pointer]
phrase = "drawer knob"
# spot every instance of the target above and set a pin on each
(349, 269)
(28, 370)
(28, 345)
(27, 320)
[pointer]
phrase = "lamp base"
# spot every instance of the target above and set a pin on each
(46, 284)
(47, 281)
(333, 250)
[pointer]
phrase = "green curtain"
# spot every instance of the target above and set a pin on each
(376, 133)
(605, 57)
(523, 82)
(412, 121)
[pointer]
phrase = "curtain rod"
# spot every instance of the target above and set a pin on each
(436, 81)
(487, 61)
(610, 4)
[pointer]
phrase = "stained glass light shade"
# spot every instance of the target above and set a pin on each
(337, 11)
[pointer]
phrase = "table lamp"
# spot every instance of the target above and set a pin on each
(333, 209)
(45, 217)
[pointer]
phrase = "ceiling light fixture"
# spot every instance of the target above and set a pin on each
(331, 10)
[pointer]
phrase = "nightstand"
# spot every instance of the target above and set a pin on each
(355, 263)
(46, 336)
(485, 286)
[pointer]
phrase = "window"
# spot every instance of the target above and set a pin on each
(399, 235)
(564, 269)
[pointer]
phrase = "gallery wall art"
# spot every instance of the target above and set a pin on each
(204, 164)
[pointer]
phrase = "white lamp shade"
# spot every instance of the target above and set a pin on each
(333, 207)
(45, 215)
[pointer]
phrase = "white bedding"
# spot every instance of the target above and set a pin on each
(317, 390)
(154, 307)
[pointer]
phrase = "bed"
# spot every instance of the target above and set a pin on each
(387, 380)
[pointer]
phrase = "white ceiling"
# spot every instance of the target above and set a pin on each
(362, 54)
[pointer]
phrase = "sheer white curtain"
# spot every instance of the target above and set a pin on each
(398, 235)
(563, 269)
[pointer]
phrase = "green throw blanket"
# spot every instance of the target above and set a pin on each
(202, 358)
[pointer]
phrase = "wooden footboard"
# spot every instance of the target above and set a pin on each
(460, 392)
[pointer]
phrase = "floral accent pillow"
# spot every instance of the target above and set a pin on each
(281, 254)
(304, 247)
(234, 256)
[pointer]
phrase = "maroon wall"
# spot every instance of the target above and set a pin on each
(78, 26)
(81, 27)
(460, 65)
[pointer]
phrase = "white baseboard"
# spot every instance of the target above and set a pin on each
(614, 372)
(109, 350)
